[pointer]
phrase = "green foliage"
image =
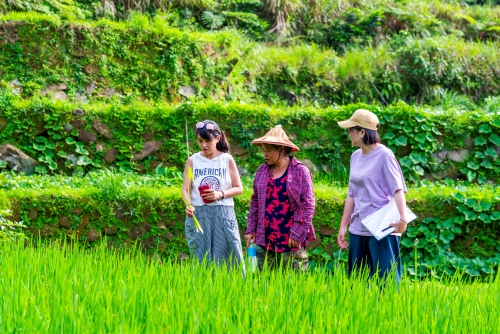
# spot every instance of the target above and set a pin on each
(136, 209)
(211, 20)
(418, 134)
(457, 227)
(66, 9)
(230, 13)
(325, 22)
(428, 143)
(351, 28)
(144, 58)
(10, 231)
(455, 241)
(430, 65)
(137, 58)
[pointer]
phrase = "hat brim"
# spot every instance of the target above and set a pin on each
(346, 124)
(259, 141)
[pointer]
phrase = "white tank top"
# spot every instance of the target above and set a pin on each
(214, 173)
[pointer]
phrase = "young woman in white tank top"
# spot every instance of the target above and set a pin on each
(216, 182)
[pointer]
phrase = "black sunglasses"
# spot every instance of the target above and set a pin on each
(355, 128)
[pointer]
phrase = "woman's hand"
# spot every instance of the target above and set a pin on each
(211, 195)
(399, 226)
(341, 238)
(292, 243)
(346, 220)
(249, 238)
(190, 211)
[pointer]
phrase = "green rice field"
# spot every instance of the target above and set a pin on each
(72, 290)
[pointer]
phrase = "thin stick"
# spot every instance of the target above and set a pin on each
(196, 222)
(187, 141)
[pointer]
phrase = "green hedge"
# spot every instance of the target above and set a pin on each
(106, 58)
(457, 228)
(148, 59)
(350, 23)
(75, 139)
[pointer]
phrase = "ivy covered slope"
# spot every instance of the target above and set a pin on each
(146, 57)
(74, 139)
(458, 226)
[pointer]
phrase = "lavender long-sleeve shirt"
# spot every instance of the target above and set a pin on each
(374, 179)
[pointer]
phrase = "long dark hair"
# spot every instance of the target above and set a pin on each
(371, 136)
(223, 144)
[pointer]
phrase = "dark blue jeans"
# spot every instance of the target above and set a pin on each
(379, 257)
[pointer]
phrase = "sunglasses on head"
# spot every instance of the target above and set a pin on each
(209, 126)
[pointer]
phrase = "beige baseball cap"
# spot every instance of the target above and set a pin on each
(362, 118)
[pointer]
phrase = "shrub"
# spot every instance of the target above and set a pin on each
(457, 226)
(10, 231)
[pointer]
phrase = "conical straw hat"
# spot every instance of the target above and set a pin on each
(276, 136)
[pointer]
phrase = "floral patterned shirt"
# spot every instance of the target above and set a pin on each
(279, 216)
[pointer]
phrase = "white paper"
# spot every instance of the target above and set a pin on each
(378, 222)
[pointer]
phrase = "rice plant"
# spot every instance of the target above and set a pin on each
(70, 290)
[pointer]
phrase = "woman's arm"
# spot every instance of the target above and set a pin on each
(400, 226)
(394, 177)
(186, 188)
(253, 215)
(346, 218)
(237, 187)
(304, 214)
(307, 199)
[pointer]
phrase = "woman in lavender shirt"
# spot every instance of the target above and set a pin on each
(375, 177)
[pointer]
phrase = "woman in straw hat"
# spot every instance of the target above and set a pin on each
(282, 205)
(215, 181)
(375, 177)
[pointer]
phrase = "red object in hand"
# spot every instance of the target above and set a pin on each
(202, 189)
